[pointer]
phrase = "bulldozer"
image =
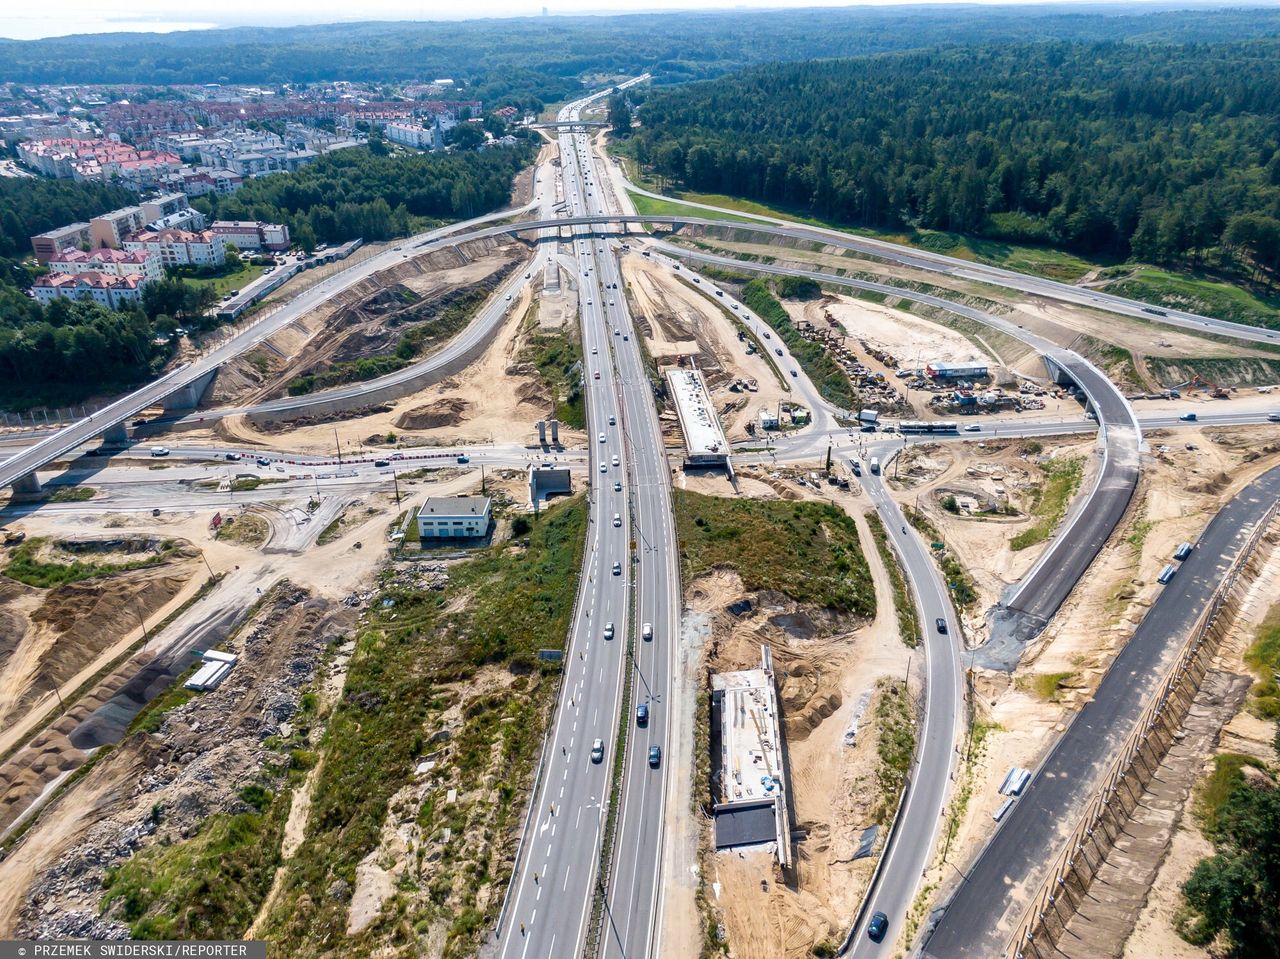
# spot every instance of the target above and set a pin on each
(11, 537)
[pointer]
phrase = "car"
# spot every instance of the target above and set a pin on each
(617, 486)
(159, 451)
(617, 331)
(973, 428)
(794, 373)
(778, 350)
(397, 456)
(508, 296)
(617, 569)
(597, 374)
(594, 351)
(597, 751)
(235, 457)
(734, 305)
(877, 927)
(615, 461)
(528, 275)
(397, 248)
(617, 519)
(464, 459)
(613, 420)
(608, 630)
(1188, 417)
(263, 461)
(602, 439)
(941, 624)
(1273, 417)
(604, 467)
(381, 463)
(655, 757)
(611, 302)
(140, 421)
(642, 714)
(626, 336)
(646, 632)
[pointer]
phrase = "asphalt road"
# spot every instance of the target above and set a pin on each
(986, 908)
(561, 848)
(153, 393)
(1028, 605)
(967, 269)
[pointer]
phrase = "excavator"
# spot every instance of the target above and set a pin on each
(1198, 382)
(11, 537)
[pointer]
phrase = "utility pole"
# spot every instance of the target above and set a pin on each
(397, 485)
(337, 445)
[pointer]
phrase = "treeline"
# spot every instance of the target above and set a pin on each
(30, 206)
(1104, 148)
(353, 193)
(547, 58)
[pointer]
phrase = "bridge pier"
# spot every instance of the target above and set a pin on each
(189, 396)
(115, 435)
(26, 485)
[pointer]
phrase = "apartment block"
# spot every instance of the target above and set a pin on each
(108, 262)
(253, 234)
(111, 228)
(50, 244)
(115, 292)
(180, 247)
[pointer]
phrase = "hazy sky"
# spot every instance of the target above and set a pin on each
(97, 16)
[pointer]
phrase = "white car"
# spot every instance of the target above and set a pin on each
(601, 437)
(613, 420)
(617, 486)
(973, 428)
(604, 468)
(617, 519)
(615, 461)
(608, 630)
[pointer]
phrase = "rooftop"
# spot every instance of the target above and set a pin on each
(456, 505)
(698, 421)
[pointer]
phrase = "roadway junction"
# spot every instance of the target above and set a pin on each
(594, 857)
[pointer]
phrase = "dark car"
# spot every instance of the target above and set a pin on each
(642, 714)
(655, 756)
(381, 463)
(878, 926)
(941, 624)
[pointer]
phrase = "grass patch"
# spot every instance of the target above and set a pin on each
(26, 568)
(557, 356)
(1050, 499)
(226, 282)
(72, 494)
(1263, 658)
(964, 591)
(331, 532)
(908, 616)
(1138, 534)
(807, 550)
(208, 887)
(648, 206)
(247, 529)
(1047, 686)
(413, 662)
(827, 375)
(895, 744)
(1198, 293)
(1215, 788)
(246, 483)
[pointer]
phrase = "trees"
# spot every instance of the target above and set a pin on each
(1109, 149)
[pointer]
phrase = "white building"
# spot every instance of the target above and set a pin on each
(253, 234)
(181, 247)
(454, 517)
(704, 440)
(116, 292)
(108, 262)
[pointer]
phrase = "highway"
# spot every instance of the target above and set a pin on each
(983, 912)
(117, 413)
(970, 270)
(1029, 604)
(560, 851)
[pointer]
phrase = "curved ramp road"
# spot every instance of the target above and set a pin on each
(1029, 605)
(984, 911)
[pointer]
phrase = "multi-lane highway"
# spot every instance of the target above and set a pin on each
(982, 914)
(631, 579)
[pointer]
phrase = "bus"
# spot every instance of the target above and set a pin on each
(929, 426)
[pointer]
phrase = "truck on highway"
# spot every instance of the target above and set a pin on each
(1166, 574)
(875, 465)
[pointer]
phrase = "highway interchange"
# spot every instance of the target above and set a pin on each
(549, 908)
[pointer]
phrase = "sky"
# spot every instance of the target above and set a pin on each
(161, 16)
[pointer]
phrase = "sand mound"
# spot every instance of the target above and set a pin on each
(449, 411)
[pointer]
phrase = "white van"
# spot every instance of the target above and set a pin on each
(159, 451)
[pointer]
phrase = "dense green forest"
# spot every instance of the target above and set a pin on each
(548, 57)
(65, 352)
(1116, 149)
(352, 193)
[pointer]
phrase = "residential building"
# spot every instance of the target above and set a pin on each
(108, 262)
(199, 181)
(456, 517)
(253, 234)
(111, 228)
(181, 247)
(182, 220)
(414, 135)
(164, 205)
(97, 159)
(115, 292)
(50, 244)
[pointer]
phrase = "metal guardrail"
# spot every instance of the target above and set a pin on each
(1121, 789)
